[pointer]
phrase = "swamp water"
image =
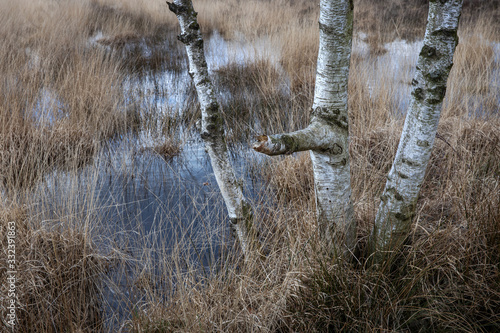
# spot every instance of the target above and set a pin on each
(141, 208)
(148, 207)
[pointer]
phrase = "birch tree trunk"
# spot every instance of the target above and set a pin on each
(397, 208)
(327, 136)
(212, 132)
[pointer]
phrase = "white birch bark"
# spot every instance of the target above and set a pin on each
(212, 131)
(397, 208)
(327, 137)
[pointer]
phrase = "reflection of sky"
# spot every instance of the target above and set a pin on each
(142, 186)
(400, 61)
(495, 77)
(167, 91)
(220, 52)
(496, 50)
(392, 70)
(140, 205)
(48, 107)
(138, 192)
(147, 183)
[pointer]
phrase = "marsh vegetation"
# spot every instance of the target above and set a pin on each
(120, 224)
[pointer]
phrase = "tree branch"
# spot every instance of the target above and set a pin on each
(318, 136)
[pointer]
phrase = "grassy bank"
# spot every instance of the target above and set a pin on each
(62, 100)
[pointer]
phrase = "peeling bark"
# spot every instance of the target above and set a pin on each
(212, 131)
(327, 137)
(397, 207)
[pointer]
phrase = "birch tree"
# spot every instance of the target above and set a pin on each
(212, 129)
(399, 198)
(327, 136)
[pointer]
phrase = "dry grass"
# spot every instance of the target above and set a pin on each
(167, 149)
(445, 278)
(59, 99)
(58, 275)
(27, 152)
(258, 98)
(473, 84)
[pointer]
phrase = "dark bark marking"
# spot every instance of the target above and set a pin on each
(290, 142)
(437, 95)
(395, 193)
(429, 52)
(402, 175)
(204, 81)
(418, 94)
(410, 162)
(176, 9)
(402, 217)
(340, 163)
(445, 33)
(213, 108)
(326, 29)
(336, 149)
(331, 117)
(423, 143)
(435, 76)
(194, 25)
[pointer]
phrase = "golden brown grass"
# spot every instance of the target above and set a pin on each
(444, 279)
(257, 97)
(58, 275)
(59, 99)
(473, 84)
(167, 149)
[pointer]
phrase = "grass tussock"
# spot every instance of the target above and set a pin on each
(257, 91)
(28, 152)
(167, 149)
(291, 179)
(447, 280)
(57, 282)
